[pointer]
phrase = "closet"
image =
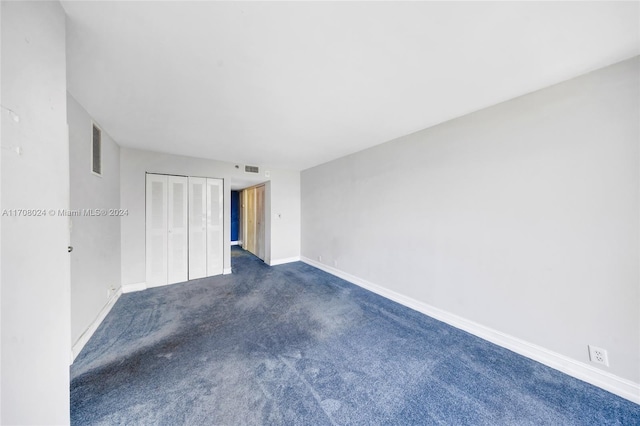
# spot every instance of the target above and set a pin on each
(184, 228)
(253, 202)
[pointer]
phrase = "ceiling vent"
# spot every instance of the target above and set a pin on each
(251, 169)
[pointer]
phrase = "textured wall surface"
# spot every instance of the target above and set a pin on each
(522, 217)
(95, 260)
(35, 263)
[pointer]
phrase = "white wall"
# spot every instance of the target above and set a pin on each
(95, 260)
(35, 263)
(522, 217)
(284, 207)
(0, 220)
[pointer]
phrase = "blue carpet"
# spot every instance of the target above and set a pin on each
(293, 345)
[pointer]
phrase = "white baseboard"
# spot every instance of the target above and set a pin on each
(607, 381)
(86, 335)
(235, 243)
(283, 261)
(226, 271)
(130, 288)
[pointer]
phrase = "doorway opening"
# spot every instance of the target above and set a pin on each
(235, 217)
(254, 217)
(254, 220)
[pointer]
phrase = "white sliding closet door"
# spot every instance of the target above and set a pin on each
(177, 249)
(156, 219)
(214, 227)
(197, 228)
(259, 220)
(184, 228)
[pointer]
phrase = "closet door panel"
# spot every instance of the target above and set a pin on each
(214, 227)
(251, 220)
(177, 249)
(156, 230)
(259, 239)
(197, 228)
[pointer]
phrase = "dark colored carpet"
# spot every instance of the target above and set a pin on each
(293, 345)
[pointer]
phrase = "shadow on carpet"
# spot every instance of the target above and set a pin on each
(291, 344)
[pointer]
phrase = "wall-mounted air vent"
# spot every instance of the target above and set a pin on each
(96, 151)
(251, 169)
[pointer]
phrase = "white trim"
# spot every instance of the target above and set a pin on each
(607, 381)
(130, 288)
(226, 271)
(164, 284)
(285, 260)
(86, 335)
(235, 243)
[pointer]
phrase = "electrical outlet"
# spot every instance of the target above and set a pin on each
(335, 263)
(319, 258)
(598, 355)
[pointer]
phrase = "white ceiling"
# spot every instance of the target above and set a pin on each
(293, 85)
